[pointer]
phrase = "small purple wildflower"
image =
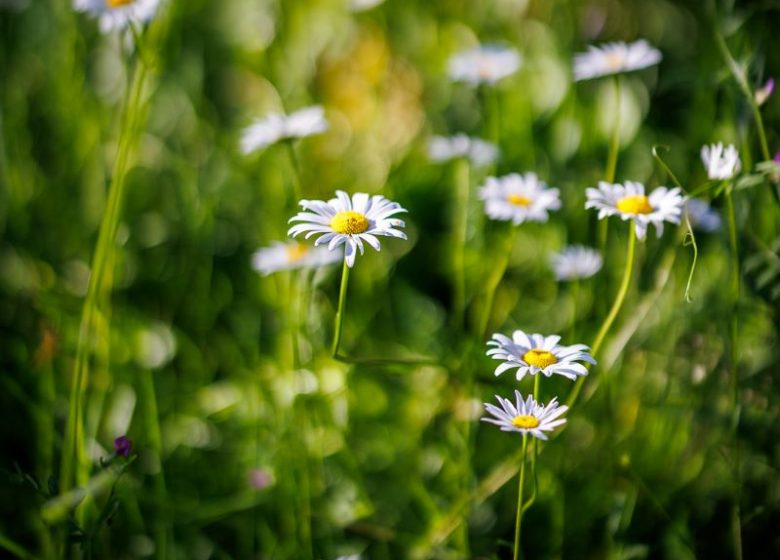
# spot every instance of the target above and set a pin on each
(260, 479)
(777, 157)
(122, 446)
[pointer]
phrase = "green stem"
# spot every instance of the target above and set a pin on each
(296, 167)
(614, 144)
(154, 439)
(734, 286)
(340, 310)
(74, 461)
(460, 225)
(493, 281)
(519, 516)
(613, 312)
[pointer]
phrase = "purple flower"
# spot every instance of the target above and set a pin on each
(777, 157)
(122, 446)
(260, 479)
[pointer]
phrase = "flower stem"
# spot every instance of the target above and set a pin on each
(614, 144)
(520, 510)
(493, 281)
(613, 312)
(340, 310)
(74, 461)
(296, 167)
(460, 224)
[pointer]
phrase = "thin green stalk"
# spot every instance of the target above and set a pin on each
(612, 159)
(296, 167)
(334, 349)
(613, 312)
(74, 467)
(734, 288)
(154, 439)
(519, 516)
(534, 451)
(459, 231)
(575, 292)
(493, 281)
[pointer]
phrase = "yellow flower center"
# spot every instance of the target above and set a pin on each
(634, 204)
(296, 252)
(525, 422)
(539, 358)
(119, 3)
(614, 61)
(518, 199)
(349, 222)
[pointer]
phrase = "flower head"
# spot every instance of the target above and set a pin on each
(630, 202)
(536, 353)
(576, 262)
(349, 221)
(275, 127)
(260, 479)
(123, 446)
(487, 64)
(477, 151)
(614, 58)
(290, 255)
(519, 198)
(525, 416)
(701, 215)
(363, 5)
(721, 163)
(118, 14)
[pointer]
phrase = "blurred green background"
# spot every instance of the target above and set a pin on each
(379, 460)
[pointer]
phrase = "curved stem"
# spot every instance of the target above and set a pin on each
(519, 517)
(614, 145)
(460, 224)
(340, 310)
(296, 167)
(493, 281)
(613, 312)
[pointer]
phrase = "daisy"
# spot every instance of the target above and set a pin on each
(721, 164)
(629, 202)
(702, 216)
(525, 417)
(275, 127)
(118, 14)
(614, 58)
(518, 198)
(479, 152)
(576, 262)
(536, 353)
(291, 255)
(349, 222)
(485, 64)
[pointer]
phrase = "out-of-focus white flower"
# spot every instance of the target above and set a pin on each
(614, 58)
(576, 262)
(289, 255)
(721, 163)
(764, 92)
(525, 416)
(479, 152)
(519, 198)
(118, 14)
(629, 202)
(487, 64)
(269, 130)
(536, 353)
(349, 221)
(702, 216)
(363, 5)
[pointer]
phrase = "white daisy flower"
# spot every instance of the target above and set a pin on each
(363, 5)
(576, 262)
(117, 14)
(289, 255)
(629, 202)
(614, 58)
(487, 64)
(702, 216)
(349, 222)
(535, 353)
(479, 152)
(526, 416)
(518, 198)
(269, 130)
(720, 163)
